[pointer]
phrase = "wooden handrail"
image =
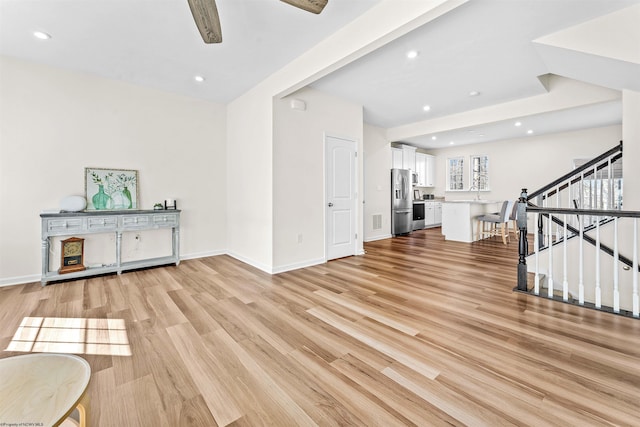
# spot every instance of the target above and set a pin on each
(576, 171)
(588, 212)
(579, 178)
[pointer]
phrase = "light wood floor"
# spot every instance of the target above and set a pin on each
(418, 331)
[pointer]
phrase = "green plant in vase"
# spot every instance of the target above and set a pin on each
(127, 194)
(101, 200)
(124, 182)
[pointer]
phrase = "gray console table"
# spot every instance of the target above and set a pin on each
(91, 222)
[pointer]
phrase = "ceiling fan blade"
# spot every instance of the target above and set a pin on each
(313, 6)
(205, 13)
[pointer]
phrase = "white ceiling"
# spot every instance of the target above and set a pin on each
(155, 43)
(483, 45)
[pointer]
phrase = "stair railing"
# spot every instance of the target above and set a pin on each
(621, 301)
(596, 185)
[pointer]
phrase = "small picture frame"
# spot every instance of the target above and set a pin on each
(416, 194)
(170, 204)
(111, 189)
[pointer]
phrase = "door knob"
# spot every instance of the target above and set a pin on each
(330, 204)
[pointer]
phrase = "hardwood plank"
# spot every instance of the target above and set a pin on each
(366, 310)
(280, 407)
(405, 404)
(361, 335)
(418, 331)
(462, 410)
(207, 372)
(346, 392)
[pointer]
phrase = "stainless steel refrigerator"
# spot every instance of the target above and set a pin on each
(401, 203)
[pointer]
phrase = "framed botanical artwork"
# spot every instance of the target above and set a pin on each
(111, 189)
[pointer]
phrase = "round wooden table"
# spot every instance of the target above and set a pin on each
(43, 388)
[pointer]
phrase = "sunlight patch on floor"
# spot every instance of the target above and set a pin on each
(71, 335)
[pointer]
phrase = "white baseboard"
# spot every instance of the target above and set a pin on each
(297, 265)
(19, 280)
(196, 255)
(259, 266)
(374, 238)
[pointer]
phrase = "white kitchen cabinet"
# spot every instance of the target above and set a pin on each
(396, 158)
(421, 165)
(403, 157)
(437, 213)
(432, 213)
(409, 157)
(429, 171)
(429, 214)
(425, 167)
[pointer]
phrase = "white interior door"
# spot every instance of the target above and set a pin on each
(340, 172)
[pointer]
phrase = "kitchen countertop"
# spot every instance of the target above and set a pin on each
(435, 199)
(481, 202)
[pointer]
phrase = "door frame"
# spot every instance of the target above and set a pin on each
(356, 183)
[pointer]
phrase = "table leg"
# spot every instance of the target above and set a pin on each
(176, 245)
(45, 261)
(119, 251)
(83, 411)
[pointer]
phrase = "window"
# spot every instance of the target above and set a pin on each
(479, 176)
(599, 189)
(455, 174)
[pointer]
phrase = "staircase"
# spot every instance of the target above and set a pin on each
(585, 249)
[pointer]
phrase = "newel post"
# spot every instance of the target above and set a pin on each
(523, 245)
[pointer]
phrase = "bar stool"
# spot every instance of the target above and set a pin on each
(493, 219)
(513, 217)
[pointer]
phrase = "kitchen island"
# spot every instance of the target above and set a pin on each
(458, 218)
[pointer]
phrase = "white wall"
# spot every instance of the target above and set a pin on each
(526, 162)
(631, 149)
(249, 178)
(298, 173)
(250, 121)
(54, 123)
(377, 181)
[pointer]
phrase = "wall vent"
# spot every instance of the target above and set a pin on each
(377, 221)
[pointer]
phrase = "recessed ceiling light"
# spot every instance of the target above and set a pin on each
(433, 138)
(426, 108)
(517, 124)
(451, 143)
(199, 79)
(41, 35)
(530, 131)
(412, 54)
(474, 93)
